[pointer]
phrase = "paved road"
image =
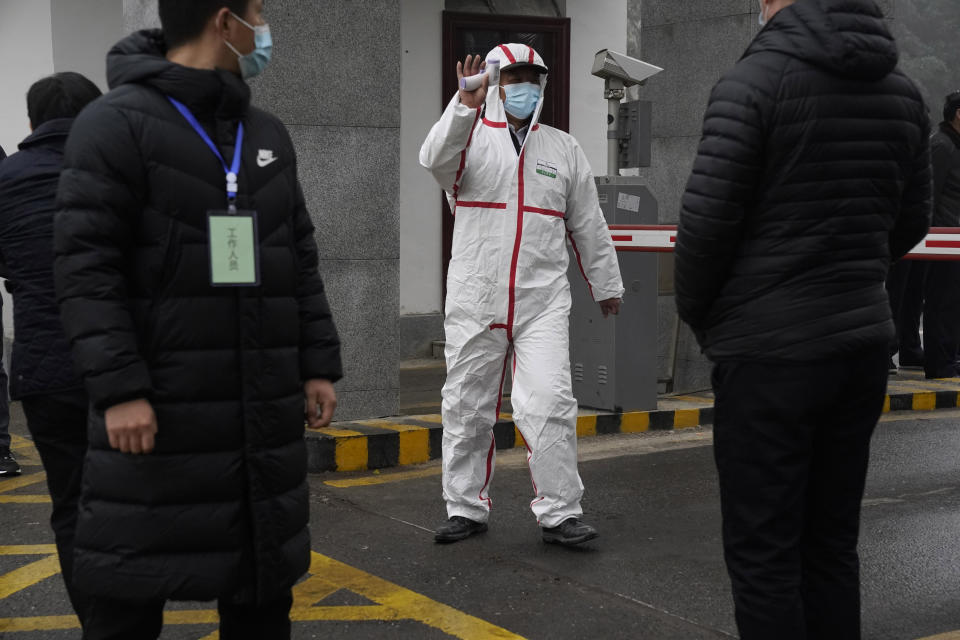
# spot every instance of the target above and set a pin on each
(655, 572)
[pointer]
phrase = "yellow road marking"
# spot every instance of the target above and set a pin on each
(384, 479)
(24, 499)
(404, 603)
(327, 576)
(27, 549)
(886, 404)
(22, 481)
(950, 635)
(39, 623)
(28, 575)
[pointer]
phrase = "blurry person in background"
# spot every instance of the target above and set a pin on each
(941, 311)
(42, 374)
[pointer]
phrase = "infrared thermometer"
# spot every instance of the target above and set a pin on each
(472, 83)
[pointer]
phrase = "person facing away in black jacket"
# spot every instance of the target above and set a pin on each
(812, 175)
(941, 310)
(187, 277)
(42, 373)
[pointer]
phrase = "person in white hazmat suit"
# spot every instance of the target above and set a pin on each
(518, 189)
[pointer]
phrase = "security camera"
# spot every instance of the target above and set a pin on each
(610, 64)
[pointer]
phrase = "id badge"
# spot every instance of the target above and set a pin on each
(234, 249)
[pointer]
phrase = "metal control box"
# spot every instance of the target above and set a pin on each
(614, 360)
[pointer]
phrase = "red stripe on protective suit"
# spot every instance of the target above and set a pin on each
(545, 212)
(495, 125)
(530, 57)
(463, 159)
(509, 54)
(493, 437)
(576, 251)
(516, 250)
(482, 205)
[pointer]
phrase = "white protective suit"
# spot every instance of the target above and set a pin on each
(508, 295)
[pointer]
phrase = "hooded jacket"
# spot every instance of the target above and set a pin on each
(946, 176)
(220, 508)
(812, 174)
(41, 361)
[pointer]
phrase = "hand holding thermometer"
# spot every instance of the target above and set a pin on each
(472, 83)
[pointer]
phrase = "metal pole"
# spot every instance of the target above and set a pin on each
(613, 92)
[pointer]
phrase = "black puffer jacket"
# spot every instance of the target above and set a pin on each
(41, 361)
(946, 176)
(220, 508)
(812, 174)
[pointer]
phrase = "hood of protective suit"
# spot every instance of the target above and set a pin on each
(514, 55)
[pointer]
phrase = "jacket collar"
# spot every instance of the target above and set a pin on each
(50, 132)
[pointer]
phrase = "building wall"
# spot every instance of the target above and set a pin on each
(421, 243)
(25, 37)
(335, 83)
(83, 33)
(26, 47)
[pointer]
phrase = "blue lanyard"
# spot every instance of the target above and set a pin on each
(231, 171)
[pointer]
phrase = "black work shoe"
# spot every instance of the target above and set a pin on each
(8, 464)
(569, 532)
(458, 528)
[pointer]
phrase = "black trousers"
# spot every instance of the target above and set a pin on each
(58, 425)
(908, 330)
(792, 443)
(941, 320)
(905, 284)
(131, 620)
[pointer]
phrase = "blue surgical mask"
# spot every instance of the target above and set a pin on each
(251, 64)
(521, 99)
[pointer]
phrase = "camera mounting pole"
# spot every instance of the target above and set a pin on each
(619, 72)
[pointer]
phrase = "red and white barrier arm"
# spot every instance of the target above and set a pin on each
(942, 243)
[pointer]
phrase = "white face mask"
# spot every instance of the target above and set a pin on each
(762, 18)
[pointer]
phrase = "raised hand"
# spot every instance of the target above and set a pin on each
(471, 67)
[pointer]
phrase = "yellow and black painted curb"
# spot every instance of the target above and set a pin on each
(383, 443)
(922, 400)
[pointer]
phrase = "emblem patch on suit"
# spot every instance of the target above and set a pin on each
(545, 168)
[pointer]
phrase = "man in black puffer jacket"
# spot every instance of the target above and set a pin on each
(941, 311)
(42, 374)
(199, 329)
(813, 173)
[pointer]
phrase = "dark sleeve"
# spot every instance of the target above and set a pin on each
(3, 154)
(941, 157)
(724, 180)
(97, 205)
(319, 342)
(916, 204)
